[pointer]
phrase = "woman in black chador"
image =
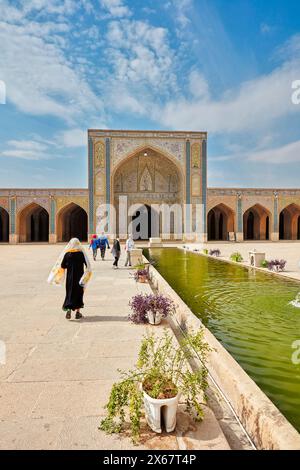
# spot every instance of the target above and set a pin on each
(74, 260)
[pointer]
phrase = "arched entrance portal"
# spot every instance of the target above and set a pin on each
(33, 224)
(72, 222)
(145, 180)
(4, 226)
(257, 223)
(143, 222)
(220, 222)
(289, 223)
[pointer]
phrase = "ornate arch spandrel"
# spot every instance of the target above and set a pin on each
(4, 203)
(23, 202)
(124, 148)
(63, 202)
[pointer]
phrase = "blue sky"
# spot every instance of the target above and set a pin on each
(222, 66)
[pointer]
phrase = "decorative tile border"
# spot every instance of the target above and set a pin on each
(107, 169)
(52, 216)
(204, 184)
(12, 215)
(91, 185)
(240, 214)
(107, 172)
(276, 227)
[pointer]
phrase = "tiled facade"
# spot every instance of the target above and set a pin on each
(150, 167)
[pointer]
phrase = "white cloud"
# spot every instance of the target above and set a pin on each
(198, 85)
(27, 145)
(74, 138)
(23, 154)
(26, 150)
(39, 78)
(257, 104)
(9, 13)
(140, 53)
(63, 7)
(182, 11)
(116, 8)
(289, 153)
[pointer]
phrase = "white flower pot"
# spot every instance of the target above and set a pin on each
(155, 409)
(154, 319)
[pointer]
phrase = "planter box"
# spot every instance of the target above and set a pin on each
(156, 409)
(155, 243)
(136, 256)
(256, 258)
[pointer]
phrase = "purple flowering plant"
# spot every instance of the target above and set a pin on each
(215, 252)
(141, 304)
(277, 265)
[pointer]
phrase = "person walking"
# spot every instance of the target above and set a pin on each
(129, 247)
(103, 243)
(75, 261)
(116, 252)
(94, 246)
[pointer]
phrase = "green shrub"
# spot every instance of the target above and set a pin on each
(205, 251)
(237, 257)
(264, 264)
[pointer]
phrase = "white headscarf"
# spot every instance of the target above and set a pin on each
(57, 273)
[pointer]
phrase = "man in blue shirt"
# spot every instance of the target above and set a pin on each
(103, 243)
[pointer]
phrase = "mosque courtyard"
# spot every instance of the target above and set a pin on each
(58, 374)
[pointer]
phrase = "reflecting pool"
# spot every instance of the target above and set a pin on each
(249, 312)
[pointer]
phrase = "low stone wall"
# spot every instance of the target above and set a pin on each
(268, 428)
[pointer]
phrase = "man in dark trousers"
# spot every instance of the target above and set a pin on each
(103, 243)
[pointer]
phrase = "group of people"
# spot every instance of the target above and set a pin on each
(102, 243)
(74, 261)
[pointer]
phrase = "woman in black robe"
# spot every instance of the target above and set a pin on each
(74, 262)
(116, 252)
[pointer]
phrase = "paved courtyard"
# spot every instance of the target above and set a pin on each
(58, 373)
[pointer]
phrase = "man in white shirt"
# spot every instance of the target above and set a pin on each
(129, 247)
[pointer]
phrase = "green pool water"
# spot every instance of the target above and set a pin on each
(248, 312)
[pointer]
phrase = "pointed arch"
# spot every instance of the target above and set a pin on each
(147, 177)
(289, 223)
(257, 223)
(220, 222)
(4, 226)
(33, 224)
(72, 221)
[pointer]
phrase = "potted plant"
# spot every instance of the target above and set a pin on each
(150, 308)
(216, 252)
(160, 377)
(277, 265)
(142, 275)
(205, 251)
(236, 257)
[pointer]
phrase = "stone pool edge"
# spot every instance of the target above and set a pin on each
(263, 421)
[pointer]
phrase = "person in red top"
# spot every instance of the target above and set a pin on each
(94, 245)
